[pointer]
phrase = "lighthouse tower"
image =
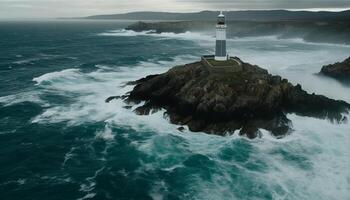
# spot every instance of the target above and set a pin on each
(220, 50)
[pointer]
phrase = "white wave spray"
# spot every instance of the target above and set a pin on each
(188, 35)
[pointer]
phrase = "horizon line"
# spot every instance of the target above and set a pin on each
(233, 10)
(314, 10)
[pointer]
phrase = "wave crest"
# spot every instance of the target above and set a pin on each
(185, 36)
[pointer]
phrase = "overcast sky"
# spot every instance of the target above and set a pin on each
(75, 8)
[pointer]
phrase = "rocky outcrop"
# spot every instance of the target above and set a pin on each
(172, 26)
(340, 70)
(220, 101)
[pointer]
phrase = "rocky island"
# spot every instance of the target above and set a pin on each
(339, 71)
(222, 94)
(220, 97)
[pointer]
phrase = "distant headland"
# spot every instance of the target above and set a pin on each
(246, 15)
(323, 26)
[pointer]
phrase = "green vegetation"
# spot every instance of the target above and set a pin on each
(229, 62)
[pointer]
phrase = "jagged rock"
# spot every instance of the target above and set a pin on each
(340, 70)
(109, 99)
(222, 100)
(147, 109)
(181, 129)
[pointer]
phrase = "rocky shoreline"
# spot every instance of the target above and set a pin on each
(221, 101)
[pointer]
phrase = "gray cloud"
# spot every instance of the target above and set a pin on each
(274, 4)
(72, 8)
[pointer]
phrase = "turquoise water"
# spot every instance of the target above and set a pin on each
(60, 140)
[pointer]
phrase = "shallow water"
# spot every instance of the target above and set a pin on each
(60, 140)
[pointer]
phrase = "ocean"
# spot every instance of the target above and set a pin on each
(60, 140)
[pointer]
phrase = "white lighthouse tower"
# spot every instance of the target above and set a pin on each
(220, 50)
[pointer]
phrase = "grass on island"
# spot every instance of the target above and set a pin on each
(217, 63)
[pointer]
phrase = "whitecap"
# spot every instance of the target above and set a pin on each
(28, 96)
(68, 156)
(125, 33)
(106, 134)
(188, 35)
(68, 73)
(25, 61)
(87, 196)
(40, 56)
(21, 181)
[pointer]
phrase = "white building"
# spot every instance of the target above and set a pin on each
(220, 50)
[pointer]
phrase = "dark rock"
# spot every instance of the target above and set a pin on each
(339, 71)
(146, 109)
(250, 131)
(109, 99)
(181, 129)
(221, 101)
(141, 80)
(160, 27)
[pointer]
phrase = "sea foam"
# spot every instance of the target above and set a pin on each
(188, 35)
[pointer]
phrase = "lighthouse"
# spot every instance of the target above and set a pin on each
(220, 50)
